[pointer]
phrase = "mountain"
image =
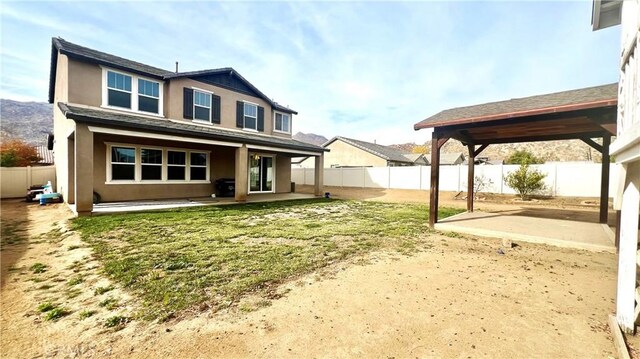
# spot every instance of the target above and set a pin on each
(30, 121)
(310, 138)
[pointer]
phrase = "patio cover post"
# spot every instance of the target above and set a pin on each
(604, 180)
(83, 172)
(242, 173)
(470, 176)
(436, 144)
(319, 175)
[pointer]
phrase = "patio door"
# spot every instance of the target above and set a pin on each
(260, 173)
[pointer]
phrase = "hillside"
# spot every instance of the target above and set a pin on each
(310, 138)
(30, 121)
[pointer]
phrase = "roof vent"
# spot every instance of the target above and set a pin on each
(176, 66)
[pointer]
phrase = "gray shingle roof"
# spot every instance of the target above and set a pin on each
(451, 158)
(161, 125)
(384, 152)
(519, 107)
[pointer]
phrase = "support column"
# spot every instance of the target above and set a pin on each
(626, 309)
(435, 177)
(83, 173)
(470, 176)
(604, 180)
(242, 173)
(319, 175)
(70, 190)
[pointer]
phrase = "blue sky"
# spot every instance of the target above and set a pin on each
(367, 70)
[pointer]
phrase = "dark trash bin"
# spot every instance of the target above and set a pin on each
(226, 187)
(293, 187)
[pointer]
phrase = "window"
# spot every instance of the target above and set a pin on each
(176, 165)
(201, 106)
(119, 90)
(250, 116)
(151, 164)
(148, 96)
(261, 173)
(123, 163)
(282, 122)
(131, 92)
(198, 166)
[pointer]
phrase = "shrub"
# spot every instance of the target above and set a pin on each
(17, 153)
(525, 181)
(520, 157)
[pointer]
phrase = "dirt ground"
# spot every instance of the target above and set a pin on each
(457, 297)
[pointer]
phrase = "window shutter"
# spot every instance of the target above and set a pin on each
(187, 105)
(260, 119)
(215, 109)
(240, 114)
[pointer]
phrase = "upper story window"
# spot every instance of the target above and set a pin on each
(119, 89)
(132, 92)
(201, 106)
(282, 122)
(250, 116)
(148, 96)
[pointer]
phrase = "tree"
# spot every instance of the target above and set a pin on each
(525, 181)
(521, 156)
(17, 153)
(419, 149)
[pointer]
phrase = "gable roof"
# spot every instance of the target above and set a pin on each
(585, 98)
(384, 152)
(413, 157)
(150, 124)
(451, 158)
(102, 58)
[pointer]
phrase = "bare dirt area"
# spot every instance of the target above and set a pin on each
(455, 297)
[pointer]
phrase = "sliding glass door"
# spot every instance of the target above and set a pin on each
(260, 173)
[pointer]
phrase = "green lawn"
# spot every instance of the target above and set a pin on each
(214, 255)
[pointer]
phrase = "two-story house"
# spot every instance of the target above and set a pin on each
(129, 131)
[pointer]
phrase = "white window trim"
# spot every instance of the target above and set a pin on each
(274, 122)
(210, 105)
(165, 165)
(273, 166)
(197, 166)
(244, 125)
(134, 93)
(185, 165)
(134, 164)
(162, 171)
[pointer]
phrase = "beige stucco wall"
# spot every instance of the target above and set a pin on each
(344, 154)
(85, 83)
(283, 174)
(62, 128)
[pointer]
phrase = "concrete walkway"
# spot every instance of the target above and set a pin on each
(151, 205)
(572, 231)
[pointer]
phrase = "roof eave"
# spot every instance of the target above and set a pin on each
(605, 14)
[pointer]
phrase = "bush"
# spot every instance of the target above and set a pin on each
(521, 157)
(525, 181)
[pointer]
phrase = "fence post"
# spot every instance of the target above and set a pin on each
(501, 178)
(364, 176)
(388, 177)
(29, 177)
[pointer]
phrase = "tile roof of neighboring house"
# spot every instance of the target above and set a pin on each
(160, 125)
(413, 157)
(45, 154)
(383, 152)
(451, 158)
(597, 96)
(86, 54)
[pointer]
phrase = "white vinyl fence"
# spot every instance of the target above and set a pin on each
(563, 179)
(14, 181)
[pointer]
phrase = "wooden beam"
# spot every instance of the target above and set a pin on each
(567, 136)
(480, 149)
(618, 339)
(470, 176)
(442, 141)
(592, 143)
(604, 180)
(435, 177)
(464, 134)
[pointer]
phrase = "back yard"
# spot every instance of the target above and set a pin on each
(290, 279)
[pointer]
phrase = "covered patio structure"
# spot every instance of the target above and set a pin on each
(582, 114)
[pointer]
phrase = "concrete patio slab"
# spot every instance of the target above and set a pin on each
(517, 226)
(152, 205)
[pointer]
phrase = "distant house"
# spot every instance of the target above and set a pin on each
(418, 159)
(450, 159)
(347, 152)
(45, 154)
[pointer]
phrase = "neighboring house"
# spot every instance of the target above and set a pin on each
(452, 158)
(347, 152)
(483, 161)
(626, 149)
(418, 159)
(45, 154)
(130, 131)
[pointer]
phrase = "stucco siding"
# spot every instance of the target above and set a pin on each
(344, 154)
(85, 83)
(283, 174)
